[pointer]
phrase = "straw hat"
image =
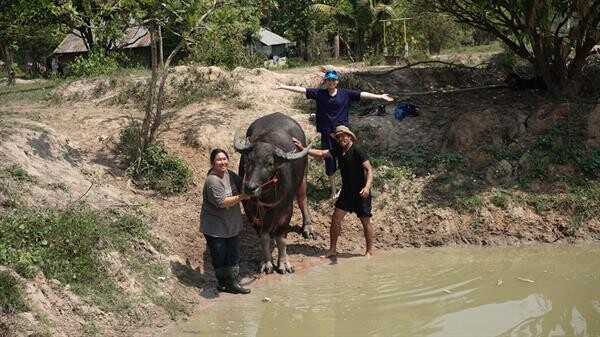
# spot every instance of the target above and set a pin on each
(343, 129)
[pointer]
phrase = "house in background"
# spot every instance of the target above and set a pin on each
(135, 43)
(271, 45)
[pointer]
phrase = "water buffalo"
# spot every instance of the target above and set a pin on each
(274, 173)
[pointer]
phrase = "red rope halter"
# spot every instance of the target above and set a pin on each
(261, 207)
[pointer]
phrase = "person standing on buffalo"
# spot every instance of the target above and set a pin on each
(333, 105)
(221, 221)
(357, 177)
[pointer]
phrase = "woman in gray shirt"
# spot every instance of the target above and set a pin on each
(221, 221)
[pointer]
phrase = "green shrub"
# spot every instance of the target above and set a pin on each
(96, 63)
(225, 52)
(160, 171)
(155, 168)
(11, 298)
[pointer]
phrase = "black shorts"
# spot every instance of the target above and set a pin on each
(354, 203)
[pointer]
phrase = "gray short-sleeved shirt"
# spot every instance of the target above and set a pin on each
(215, 221)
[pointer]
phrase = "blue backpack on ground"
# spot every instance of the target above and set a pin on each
(405, 109)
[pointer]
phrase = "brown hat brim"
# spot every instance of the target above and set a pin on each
(349, 133)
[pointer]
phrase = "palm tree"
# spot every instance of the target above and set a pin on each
(357, 18)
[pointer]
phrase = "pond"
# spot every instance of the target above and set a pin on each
(540, 290)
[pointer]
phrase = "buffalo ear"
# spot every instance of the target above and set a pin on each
(240, 147)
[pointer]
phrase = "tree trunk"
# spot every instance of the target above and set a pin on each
(149, 117)
(336, 46)
(348, 49)
(160, 47)
(152, 117)
(9, 65)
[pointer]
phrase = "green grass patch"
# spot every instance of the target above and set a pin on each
(28, 92)
(471, 203)
(494, 47)
(11, 298)
(500, 152)
(65, 245)
(318, 189)
(197, 88)
(501, 198)
(155, 169)
(419, 158)
(18, 173)
(541, 202)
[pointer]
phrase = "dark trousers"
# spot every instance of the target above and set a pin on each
(328, 143)
(224, 252)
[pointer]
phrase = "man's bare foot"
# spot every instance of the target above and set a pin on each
(335, 195)
(368, 254)
(329, 254)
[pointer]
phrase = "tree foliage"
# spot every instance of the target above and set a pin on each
(359, 20)
(555, 36)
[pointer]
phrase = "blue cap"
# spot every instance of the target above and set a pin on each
(331, 74)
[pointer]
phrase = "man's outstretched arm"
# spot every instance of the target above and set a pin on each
(312, 152)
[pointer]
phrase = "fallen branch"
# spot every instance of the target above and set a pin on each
(410, 65)
(421, 93)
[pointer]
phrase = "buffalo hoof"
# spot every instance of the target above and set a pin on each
(266, 268)
(285, 268)
(309, 233)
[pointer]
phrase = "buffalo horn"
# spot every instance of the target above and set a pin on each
(238, 145)
(293, 155)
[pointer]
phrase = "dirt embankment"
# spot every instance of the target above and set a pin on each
(69, 150)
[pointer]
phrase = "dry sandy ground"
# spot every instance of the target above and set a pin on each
(71, 143)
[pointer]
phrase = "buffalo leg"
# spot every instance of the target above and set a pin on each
(283, 265)
(266, 265)
(308, 231)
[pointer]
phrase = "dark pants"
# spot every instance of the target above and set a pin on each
(224, 252)
(328, 143)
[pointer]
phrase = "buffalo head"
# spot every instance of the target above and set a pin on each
(261, 161)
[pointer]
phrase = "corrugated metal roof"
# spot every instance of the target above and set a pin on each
(135, 37)
(270, 39)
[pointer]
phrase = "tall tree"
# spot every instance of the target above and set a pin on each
(555, 36)
(9, 29)
(187, 20)
(359, 18)
(293, 19)
(97, 22)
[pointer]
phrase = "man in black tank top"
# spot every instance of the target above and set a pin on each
(357, 177)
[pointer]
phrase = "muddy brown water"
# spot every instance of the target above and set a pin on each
(453, 291)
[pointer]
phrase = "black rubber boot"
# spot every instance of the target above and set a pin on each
(222, 275)
(233, 284)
